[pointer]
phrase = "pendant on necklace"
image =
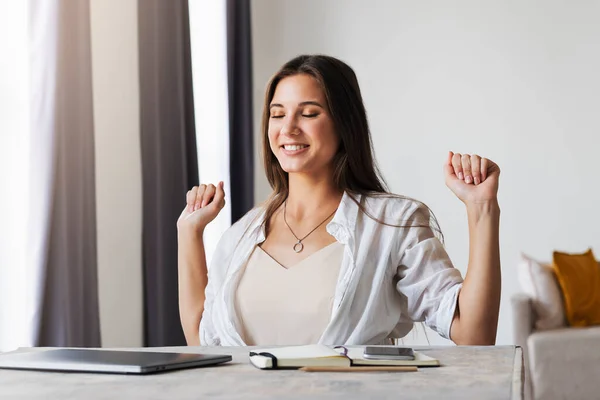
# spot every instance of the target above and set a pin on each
(298, 247)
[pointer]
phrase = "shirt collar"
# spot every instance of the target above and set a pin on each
(346, 214)
(344, 218)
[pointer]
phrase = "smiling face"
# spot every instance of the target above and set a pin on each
(301, 130)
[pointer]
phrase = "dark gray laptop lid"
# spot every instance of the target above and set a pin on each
(116, 361)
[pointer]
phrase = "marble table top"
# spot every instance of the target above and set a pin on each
(467, 372)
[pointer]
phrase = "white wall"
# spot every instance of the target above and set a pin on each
(118, 170)
(516, 82)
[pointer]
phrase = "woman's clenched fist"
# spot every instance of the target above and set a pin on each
(204, 203)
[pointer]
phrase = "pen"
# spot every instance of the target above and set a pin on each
(359, 369)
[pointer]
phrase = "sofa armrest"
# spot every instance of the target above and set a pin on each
(564, 363)
(523, 326)
(523, 319)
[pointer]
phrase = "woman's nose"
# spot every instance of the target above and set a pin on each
(289, 127)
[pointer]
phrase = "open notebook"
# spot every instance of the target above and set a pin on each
(325, 356)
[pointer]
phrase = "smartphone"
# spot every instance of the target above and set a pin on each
(388, 353)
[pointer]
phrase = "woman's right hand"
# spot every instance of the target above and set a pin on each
(204, 203)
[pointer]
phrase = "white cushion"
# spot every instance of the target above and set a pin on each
(539, 283)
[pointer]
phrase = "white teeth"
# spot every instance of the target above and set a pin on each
(293, 147)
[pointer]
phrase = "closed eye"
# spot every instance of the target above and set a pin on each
(304, 115)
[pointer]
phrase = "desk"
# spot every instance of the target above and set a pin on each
(467, 373)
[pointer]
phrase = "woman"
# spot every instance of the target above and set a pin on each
(332, 257)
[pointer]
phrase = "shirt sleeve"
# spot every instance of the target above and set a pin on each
(427, 278)
(208, 331)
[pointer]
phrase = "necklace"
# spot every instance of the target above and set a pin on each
(299, 246)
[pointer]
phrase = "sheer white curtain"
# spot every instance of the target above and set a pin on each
(48, 283)
(23, 25)
(61, 230)
(42, 44)
(14, 196)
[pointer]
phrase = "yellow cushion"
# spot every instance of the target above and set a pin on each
(579, 279)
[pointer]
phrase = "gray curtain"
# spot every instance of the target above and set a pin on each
(241, 127)
(62, 223)
(169, 158)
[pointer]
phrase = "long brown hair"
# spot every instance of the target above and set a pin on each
(355, 168)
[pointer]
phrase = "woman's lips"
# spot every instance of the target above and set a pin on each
(296, 150)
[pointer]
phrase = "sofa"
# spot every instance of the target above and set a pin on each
(560, 363)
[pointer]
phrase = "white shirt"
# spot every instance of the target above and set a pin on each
(389, 278)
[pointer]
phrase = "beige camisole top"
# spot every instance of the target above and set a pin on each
(287, 306)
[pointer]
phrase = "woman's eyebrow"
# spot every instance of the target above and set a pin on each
(304, 103)
(311, 103)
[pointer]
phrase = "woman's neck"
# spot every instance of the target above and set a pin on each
(310, 195)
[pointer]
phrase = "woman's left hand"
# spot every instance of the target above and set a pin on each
(473, 179)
